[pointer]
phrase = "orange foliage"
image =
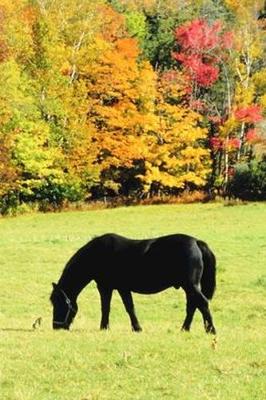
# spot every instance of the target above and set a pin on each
(117, 104)
(113, 24)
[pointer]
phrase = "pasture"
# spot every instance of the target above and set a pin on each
(161, 362)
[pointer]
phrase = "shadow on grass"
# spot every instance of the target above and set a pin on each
(77, 330)
(17, 330)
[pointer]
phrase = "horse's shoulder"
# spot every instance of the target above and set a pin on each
(110, 240)
(111, 237)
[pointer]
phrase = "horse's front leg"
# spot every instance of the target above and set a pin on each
(106, 296)
(127, 299)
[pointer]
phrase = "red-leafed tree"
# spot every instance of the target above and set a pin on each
(202, 47)
(250, 114)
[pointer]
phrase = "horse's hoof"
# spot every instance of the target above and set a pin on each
(136, 329)
(104, 328)
(185, 329)
(211, 330)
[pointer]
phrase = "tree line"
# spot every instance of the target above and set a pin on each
(130, 99)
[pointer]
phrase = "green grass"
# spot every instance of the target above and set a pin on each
(159, 363)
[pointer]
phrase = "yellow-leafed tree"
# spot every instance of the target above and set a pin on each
(176, 157)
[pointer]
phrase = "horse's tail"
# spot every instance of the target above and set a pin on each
(208, 279)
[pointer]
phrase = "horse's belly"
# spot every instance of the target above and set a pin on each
(147, 284)
(150, 289)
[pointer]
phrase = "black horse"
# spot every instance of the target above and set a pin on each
(141, 266)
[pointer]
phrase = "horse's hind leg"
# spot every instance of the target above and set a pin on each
(191, 308)
(106, 296)
(129, 306)
(195, 299)
(207, 318)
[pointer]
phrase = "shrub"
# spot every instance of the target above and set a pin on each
(249, 181)
(49, 194)
(54, 193)
(9, 203)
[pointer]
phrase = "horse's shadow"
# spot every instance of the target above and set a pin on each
(17, 330)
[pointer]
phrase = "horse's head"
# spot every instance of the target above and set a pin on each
(64, 309)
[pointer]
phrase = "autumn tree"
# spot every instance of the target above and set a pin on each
(239, 128)
(214, 63)
(249, 96)
(15, 100)
(202, 52)
(42, 100)
(177, 158)
(120, 107)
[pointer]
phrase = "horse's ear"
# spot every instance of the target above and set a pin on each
(54, 285)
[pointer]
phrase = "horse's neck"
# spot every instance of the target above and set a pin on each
(71, 283)
(76, 274)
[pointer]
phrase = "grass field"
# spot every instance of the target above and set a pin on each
(159, 363)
